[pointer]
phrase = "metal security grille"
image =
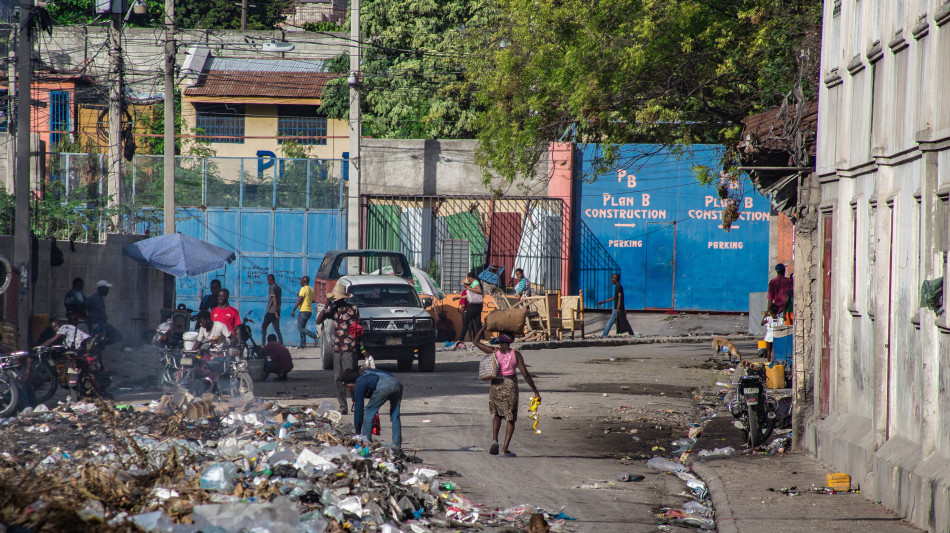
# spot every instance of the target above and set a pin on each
(221, 123)
(301, 124)
(456, 262)
(504, 233)
(58, 116)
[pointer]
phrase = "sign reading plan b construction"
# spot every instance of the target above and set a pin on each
(663, 230)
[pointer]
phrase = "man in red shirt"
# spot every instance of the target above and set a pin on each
(224, 313)
(280, 362)
(780, 290)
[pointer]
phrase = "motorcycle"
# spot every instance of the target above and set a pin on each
(207, 366)
(249, 348)
(753, 409)
(48, 371)
(173, 373)
(84, 370)
(9, 389)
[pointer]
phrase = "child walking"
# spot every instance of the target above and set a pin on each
(769, 321)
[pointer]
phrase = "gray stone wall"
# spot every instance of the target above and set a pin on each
(135, 300)
(435, 167)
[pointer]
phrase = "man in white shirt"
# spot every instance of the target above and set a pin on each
(67, 334)
(217, 333)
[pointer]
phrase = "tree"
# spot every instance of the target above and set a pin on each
(413, 85)
(206, 14)
(673, 72)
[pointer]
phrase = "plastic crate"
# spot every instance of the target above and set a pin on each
(839, 482)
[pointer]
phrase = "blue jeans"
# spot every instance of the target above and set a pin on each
(388, 389)
(302, 318)
(610, 323)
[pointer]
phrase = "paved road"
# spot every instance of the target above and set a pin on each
(603, 408)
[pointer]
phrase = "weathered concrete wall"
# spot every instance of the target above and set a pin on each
(884, 167)
(135, 300)
(434, 167)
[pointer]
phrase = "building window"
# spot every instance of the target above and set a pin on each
(58, 116)
(301, 124)
(221, 123)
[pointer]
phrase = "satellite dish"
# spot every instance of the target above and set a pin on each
(278, 46)
(6, 274)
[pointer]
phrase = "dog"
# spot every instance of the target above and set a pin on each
(719, 342)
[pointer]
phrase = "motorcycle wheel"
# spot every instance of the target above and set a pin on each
(755, 434)
(44, 380)
(9, 395)
(199, 385)
(241, 386)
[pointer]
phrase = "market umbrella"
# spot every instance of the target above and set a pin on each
(179, 255)
(422, 281)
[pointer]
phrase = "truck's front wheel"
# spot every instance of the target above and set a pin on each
(326, 345)
(427, 358)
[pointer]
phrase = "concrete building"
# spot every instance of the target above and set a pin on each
(877, 388)
(251, 107)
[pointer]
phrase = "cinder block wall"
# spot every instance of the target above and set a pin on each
(134, 303)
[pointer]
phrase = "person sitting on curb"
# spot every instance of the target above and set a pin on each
(380, 387)
(503, 396)
(280, 362)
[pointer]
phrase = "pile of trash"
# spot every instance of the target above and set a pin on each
(696, 513)
(183, 465)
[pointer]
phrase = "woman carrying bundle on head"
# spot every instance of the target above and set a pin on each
(503, 397)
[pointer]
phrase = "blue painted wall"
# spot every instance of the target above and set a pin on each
(662, 229)
(289, 243)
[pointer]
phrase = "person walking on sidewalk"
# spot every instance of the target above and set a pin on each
(473, 313)
(619, 313)
(305, 298)
(272, 312)
(380, 387)
(345, 317)
(503, 396)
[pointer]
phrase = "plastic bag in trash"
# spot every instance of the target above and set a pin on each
(154, 522)
(665, 465)
(308, 458)
(352, 505)
(697, 509)
(278, 516)
(336, 452)
(718, 453)
(219, 476)
(92, 511)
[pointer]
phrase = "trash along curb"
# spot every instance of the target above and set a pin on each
(725, 520)
(625, 341)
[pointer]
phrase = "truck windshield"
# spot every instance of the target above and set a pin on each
(383, 296)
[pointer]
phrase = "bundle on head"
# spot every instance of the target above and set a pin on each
(506, 320)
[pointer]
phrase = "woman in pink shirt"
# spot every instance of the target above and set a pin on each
(503, 398)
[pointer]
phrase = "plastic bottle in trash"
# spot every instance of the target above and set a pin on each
(376, 428)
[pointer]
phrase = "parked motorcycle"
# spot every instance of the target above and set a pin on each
(753, 409)
(48, 371)
(84, 370)
(212, 369)
(9, 390)
(173, 373)
(249, 348)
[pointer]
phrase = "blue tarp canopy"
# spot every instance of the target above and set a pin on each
(179, 255)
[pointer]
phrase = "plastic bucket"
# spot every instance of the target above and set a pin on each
(775, 376)
(190, 339)
(763, 345)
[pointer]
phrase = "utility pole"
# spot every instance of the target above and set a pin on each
(116, 71)
(243, 15)
(353, 197)
(169, 186)
(21, 229)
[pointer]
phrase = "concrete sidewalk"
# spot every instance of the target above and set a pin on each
(776, 493)
(747, 494)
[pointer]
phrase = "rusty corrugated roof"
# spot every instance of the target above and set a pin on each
(767, 128)
(261, 84)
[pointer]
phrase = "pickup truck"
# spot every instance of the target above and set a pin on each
(338, 264)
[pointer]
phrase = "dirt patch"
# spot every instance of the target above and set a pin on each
(646, 389)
